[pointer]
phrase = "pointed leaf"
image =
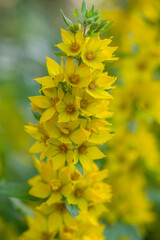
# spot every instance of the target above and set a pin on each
(84, 8)
(76, 13)
(79, 168)
(107, 26)
(72, 209)
(67, 20)
(36, 115)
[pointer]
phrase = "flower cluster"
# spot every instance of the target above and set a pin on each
(72, 108)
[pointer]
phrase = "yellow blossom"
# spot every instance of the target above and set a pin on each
(48, 102)
(68, 109)
(96, 51)
(72, 43)
(77, 76)
(55, 74)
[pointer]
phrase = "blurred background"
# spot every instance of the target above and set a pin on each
(28, 32)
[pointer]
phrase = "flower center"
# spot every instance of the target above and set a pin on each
(92, 86)
(75, 176)
(46, 236)
(65, 132)
(74, 47)
(62, 148)
(55, 186)
(53, 101)
(45, 139)
(70, 109)
(84, 103)
(82, 149)
(74, 78)
(90, 56)
(78, 193)
(61, 207)
(142, 66)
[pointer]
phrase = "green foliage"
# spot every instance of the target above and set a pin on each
(90, 20)
(66, 20)
(60, 54)
(16, 190)
(79, 168)
(36, 115)
(72, 209)
(120, 230)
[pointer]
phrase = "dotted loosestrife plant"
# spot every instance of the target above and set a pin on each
(71, 110)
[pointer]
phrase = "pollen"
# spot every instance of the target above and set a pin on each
(62, 148)
(84, 103)
(78, 193)
(74, 78)
(92, 86)
(82, 149)
(65, 132)
(61, 208)
(46, 236)
(70, 109)
(90, 56)
(74, 47)
(54, 101)
(44, 139)
(55, 186)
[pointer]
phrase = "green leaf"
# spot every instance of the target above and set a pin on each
(79, 168)
(93, 9)
(60, 54)
(120, 230)
(107, 26)
(20, 206)
(76, 13)
(16, 190)
(72, 209)
(36, 115)
(84, 9)
(67, 20)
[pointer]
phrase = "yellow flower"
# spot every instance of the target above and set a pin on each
(77, 76)
(72, 43)
(41, 135)
(57, 216)
(55, 74)
(98, 129)
(89, 106)
(99, 84)
(38, 228)
(86, 153)
(48, 102)
(68, 109)
(70, 132)
(50, 184)
(96, 51)
(60, 154)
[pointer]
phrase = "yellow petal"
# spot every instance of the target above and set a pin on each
(37, 147)
(40, 190)
(54, 221)
(67, 37)
(95, 153)
(55, 197)
(53, 67)
(46, 81)
(40, 101)
(46, 115)
(64, 175)
(67, 189)
(58, 161)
